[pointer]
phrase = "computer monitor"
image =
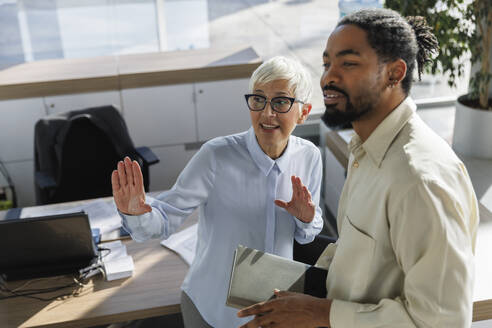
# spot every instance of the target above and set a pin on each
(45, 246)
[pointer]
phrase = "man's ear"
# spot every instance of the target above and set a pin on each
(305, 110)
(397, 70)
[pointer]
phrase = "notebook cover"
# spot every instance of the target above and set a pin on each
(255, 274)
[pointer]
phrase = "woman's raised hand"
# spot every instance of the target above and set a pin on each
(128, 189)
(301, 205)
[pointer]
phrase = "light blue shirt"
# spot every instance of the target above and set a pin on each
(234, 185)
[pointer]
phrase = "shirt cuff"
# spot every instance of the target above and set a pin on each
(135, 220)
(342, 314)
(304, 225)
(137, 225)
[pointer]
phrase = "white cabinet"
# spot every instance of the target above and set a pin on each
(161, 115)
(17, 120)
(173, 159)
(22, 175)
(221, 108)
(65, 103)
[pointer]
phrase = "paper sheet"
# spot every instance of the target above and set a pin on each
(116, 250)
(183, 243)
(102, 213)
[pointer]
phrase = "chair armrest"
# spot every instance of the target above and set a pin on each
(147, 155)
(44, 180)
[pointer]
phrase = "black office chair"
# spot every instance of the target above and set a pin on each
(75, 153)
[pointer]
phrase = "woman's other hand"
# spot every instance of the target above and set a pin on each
(301, 205)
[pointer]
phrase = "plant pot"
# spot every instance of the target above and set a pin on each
(472, 131)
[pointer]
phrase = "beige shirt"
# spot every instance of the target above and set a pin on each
(407, 224)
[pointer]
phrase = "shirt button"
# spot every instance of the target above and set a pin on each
(356, 164)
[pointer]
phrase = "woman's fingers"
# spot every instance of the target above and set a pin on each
(137, 176)
(115, 182)
(298, 189)
(281, 203)
(129, 170)
(122, 174)
(145, 207)
(306, 194)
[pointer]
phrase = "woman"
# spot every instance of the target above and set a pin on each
(239, 183)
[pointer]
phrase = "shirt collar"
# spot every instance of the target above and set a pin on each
(261, 159)
(382, 137)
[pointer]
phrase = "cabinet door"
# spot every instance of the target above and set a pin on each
(17, 120)
(221, 108)
(173, 159)
(158, 116)
(22, 175)
(65, 103)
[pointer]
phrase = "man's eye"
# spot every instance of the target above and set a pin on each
(326, 65)
(349, 64)
(258, 99)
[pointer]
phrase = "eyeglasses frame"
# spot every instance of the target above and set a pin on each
(292, 101)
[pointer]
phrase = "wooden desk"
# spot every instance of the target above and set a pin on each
(482, 296)
(153, 290)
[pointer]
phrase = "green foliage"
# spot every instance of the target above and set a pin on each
(456, 26)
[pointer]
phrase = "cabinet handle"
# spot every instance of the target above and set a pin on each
(200, 91)
(52, 105)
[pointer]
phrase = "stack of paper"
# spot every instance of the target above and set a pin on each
(183, 243)
(117, 263)
(103, 214)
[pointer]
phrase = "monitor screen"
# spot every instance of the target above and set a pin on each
(45, 246)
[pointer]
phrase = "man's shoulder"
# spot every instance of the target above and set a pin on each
(418, 153)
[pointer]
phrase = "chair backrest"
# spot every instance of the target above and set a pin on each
(87, 158)
(80, 149)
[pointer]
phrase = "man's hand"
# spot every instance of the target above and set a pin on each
(128, 190)
(289, 310)
(301, 205)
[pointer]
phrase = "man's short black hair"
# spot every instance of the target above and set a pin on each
(394, 37)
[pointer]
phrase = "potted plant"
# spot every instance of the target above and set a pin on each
(464, 30)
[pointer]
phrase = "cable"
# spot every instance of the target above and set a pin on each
(5, 173)
(26, 284)
(10, 183)
(84, 274)
(30, 293)
(100, 249)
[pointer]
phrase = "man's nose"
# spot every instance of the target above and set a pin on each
(330, 76)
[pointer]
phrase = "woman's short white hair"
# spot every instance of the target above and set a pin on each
(283, 68)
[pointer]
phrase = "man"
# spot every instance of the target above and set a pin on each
(407, 216)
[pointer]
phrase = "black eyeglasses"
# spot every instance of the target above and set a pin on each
(279, 104)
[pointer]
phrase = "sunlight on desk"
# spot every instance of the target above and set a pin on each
(153, 290)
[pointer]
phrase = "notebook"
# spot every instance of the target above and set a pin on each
(255, 274)
(45, 246)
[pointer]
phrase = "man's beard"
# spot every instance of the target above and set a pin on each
(335, 118)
